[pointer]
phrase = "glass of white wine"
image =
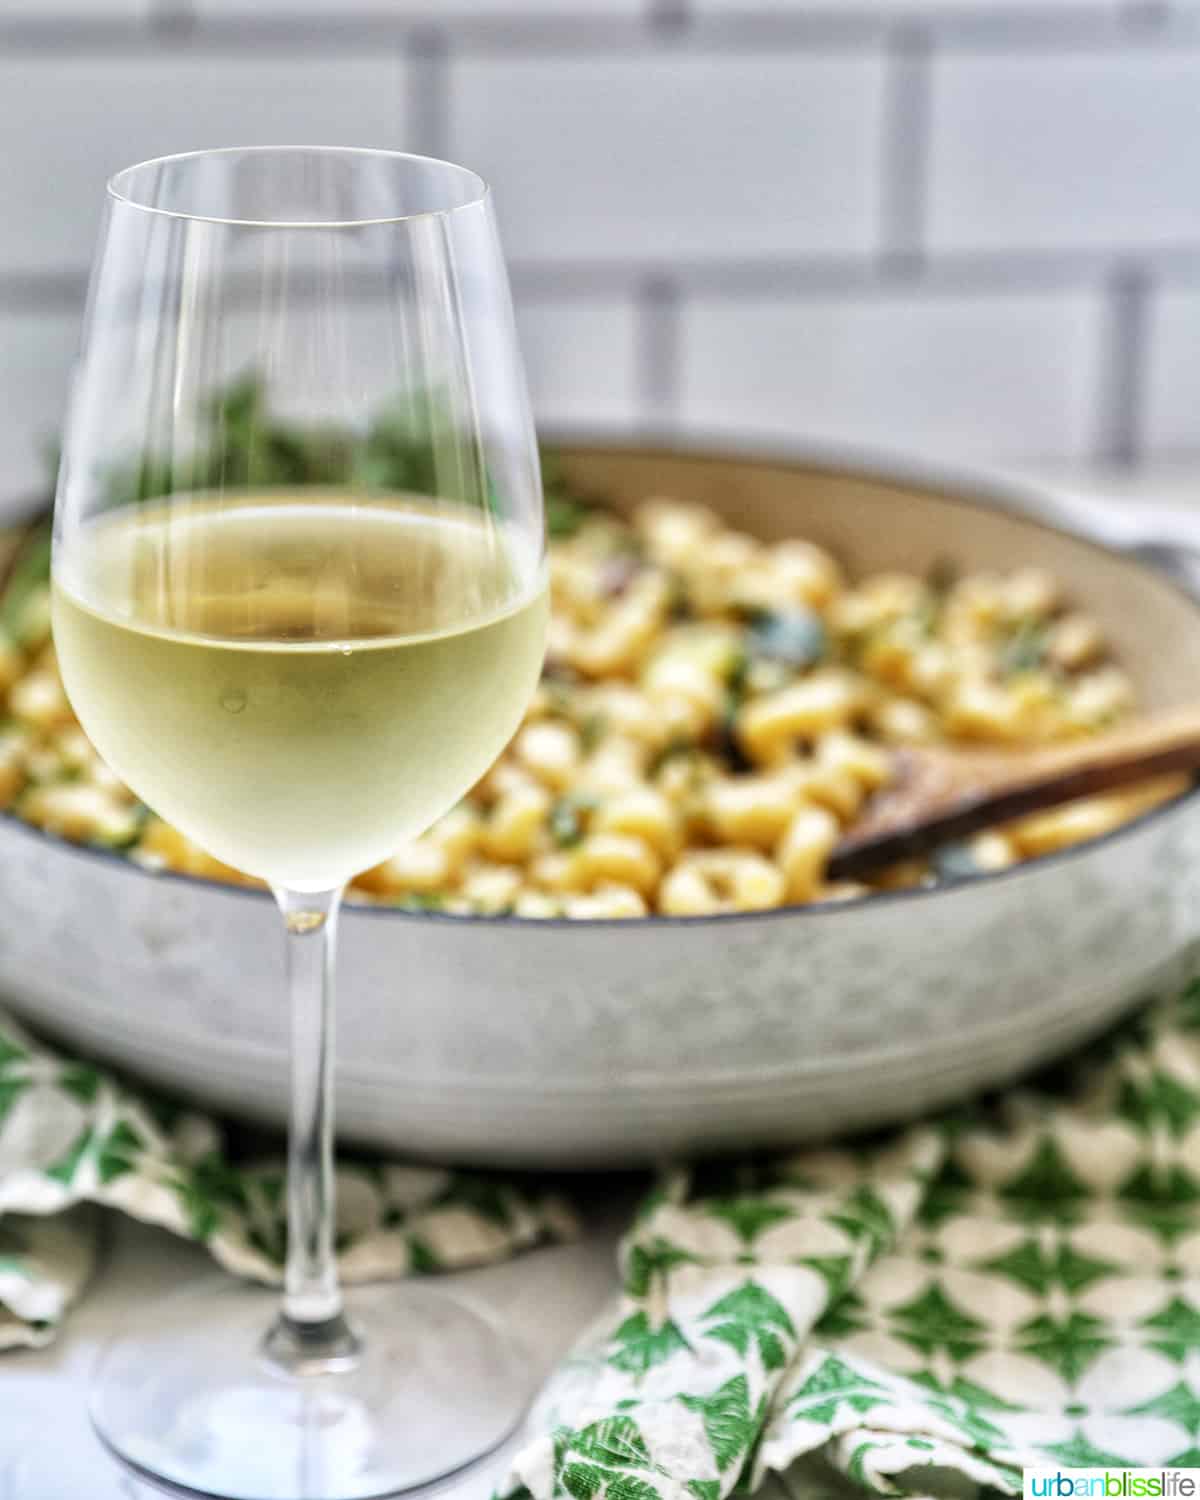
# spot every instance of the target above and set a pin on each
(299, 606)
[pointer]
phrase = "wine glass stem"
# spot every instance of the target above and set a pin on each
(311, 1333)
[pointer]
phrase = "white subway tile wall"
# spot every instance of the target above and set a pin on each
(959, 226)
(1172, 412)
(951, 374)
(73, 120)
(1066, 152)
(582, 359)
(671, 156)
(39, 349)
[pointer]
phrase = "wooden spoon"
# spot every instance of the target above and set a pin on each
(939, 794)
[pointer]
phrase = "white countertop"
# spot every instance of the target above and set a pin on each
(47, 1450)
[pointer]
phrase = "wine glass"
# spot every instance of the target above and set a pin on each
(299, 600)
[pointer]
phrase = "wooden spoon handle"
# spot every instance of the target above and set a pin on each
(1012, 785)
(1166, 741)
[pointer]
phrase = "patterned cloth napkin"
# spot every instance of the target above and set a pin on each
(1016, 1285)
(1019, 1285)
(72, 1136)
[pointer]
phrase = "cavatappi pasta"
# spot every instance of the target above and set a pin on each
(713, 713)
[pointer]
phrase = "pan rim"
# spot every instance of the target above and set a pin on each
(968, 488)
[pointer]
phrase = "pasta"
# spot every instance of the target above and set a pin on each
(714, 712)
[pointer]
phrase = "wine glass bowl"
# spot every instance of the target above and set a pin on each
(299, 681)
(300, 674)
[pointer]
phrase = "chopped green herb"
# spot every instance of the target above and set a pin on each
(955, 862)
(558, 698)
(420, 901)
(927, 615)
(795, 637)
(737, 672)
(626, 543)
(939, 580)
(592, 731)
(725, 737)
(566, 509)
(1025, 649)
(564, 515)
(567, 818)
(24, 610)
(410, 445)
(679, 605)
(126, 837)
(671, 751)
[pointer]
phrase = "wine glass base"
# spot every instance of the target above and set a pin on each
(187, 1398)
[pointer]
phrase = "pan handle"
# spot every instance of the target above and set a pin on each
(1166, 537)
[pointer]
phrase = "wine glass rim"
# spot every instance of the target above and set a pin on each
(481, 190)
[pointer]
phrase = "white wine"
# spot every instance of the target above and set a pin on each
(298, 683)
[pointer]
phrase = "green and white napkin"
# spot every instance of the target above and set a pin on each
(72, 1137)
(1016, 1285)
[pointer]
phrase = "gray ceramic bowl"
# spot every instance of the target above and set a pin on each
(557, 1043)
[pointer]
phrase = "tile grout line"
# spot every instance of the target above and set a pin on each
(657, 369)
(170, 20)
(427, 54)
(904, 150)
(1122, 372)
(856, 29)
(832, 277)
(1142, 16)
(668, 18)
(42, 291)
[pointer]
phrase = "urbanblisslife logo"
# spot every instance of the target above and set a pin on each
(1111, 1484)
